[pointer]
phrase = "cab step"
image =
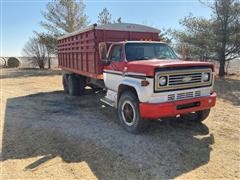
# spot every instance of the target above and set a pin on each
(108, 101)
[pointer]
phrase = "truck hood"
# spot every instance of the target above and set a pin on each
(148, 66)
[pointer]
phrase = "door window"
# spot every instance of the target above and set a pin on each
(116, 53)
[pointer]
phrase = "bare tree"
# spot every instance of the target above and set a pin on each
(61, 17)
(119, 20)
(64, 16)
(104, 17)
(37, 51)
(50, 43)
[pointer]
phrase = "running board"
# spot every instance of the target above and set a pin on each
(108, 101)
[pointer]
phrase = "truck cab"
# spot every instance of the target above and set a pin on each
(146, 80)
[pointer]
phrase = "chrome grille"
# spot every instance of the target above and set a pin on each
(171, 97)
(197, 93)
(186, 95)
(185, 79)
(182, 79)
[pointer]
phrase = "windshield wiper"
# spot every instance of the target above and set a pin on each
(142, 58)
(162, 57)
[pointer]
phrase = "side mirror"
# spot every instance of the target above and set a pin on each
(103, 53)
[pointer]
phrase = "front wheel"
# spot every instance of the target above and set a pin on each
(128, 113)
(197, 116)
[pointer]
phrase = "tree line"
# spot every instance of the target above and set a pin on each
(216, 38)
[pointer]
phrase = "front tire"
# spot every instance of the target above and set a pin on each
(129, 115)
(197, 116)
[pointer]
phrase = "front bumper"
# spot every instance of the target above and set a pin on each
(170, 109)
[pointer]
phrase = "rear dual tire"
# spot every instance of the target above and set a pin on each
(65, 82)
(73, 84)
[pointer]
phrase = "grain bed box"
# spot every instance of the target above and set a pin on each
(78, 51)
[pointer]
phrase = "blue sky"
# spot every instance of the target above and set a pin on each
(19, 18)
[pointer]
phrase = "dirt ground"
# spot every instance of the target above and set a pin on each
(47, 134)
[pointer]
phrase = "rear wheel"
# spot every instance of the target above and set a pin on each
(197, 116)
(81, 84)
(65, 82)
(76, 85)
(73, 85)
(128, 113)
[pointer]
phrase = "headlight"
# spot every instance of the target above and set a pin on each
(162, 80)
(206, 77)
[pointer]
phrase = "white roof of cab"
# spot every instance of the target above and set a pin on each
(115, 27)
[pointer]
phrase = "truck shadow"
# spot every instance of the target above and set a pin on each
(82, 129)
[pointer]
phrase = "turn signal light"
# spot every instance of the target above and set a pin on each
(100, 76)
(144, 83)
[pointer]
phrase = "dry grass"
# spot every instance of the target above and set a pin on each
(47, 134)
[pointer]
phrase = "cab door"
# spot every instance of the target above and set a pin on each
(113, 73)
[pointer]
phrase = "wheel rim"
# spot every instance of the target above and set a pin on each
(128, 113)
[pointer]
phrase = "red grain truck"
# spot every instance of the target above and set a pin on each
(142, 76)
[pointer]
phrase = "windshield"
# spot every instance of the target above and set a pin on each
(145, 51)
